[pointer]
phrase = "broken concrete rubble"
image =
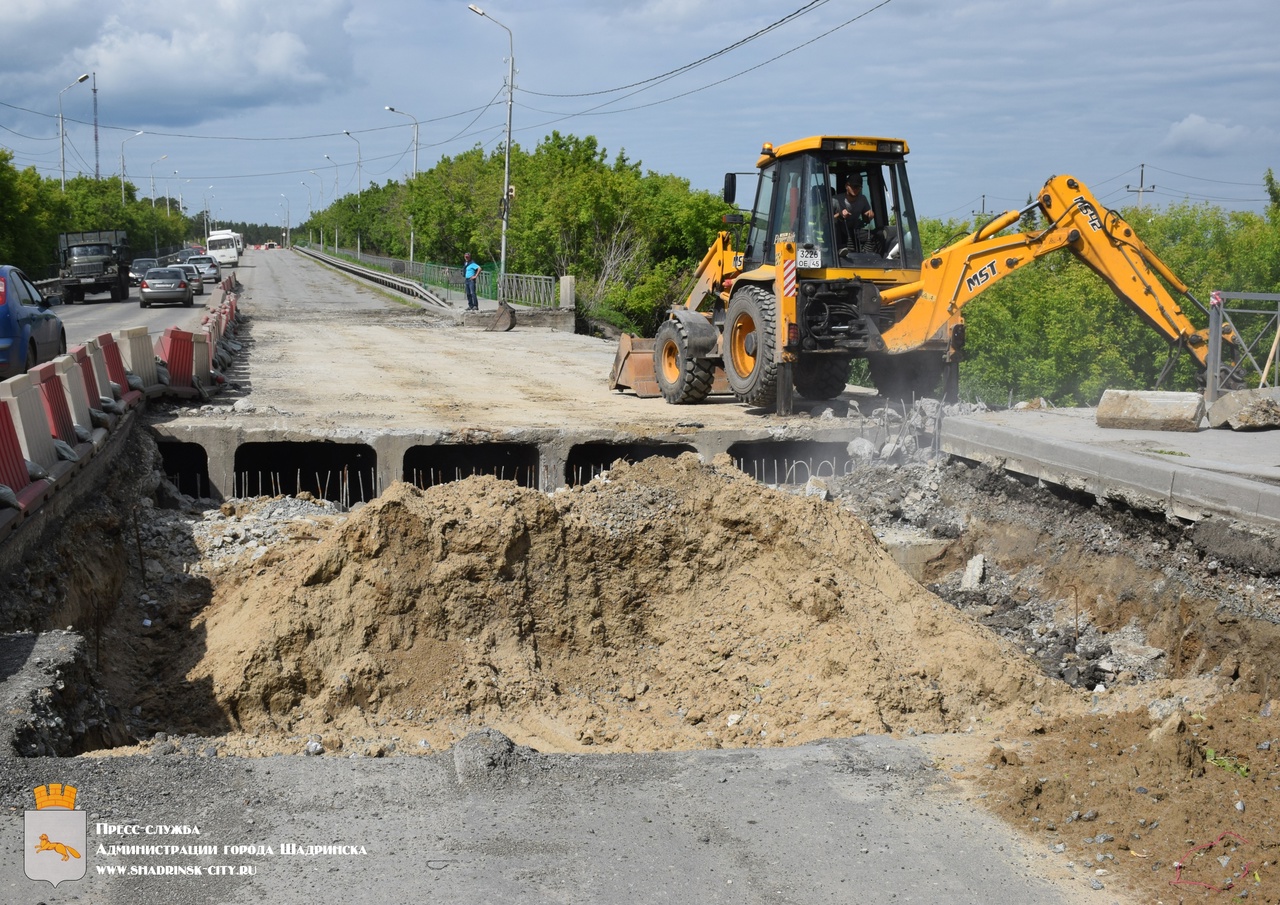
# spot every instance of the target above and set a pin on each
(1247, 410)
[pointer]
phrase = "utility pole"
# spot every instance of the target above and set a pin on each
(982, 214)
(1142, 175)
(97, 171)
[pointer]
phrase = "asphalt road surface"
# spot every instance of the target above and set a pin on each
(859, 820)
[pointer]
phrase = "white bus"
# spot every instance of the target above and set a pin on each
(223, 246)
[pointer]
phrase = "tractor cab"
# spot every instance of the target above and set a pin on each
(805, 194)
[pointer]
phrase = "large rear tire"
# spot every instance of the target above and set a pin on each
(750, 328)
(684, 380)
(907, 376)
(821, 376)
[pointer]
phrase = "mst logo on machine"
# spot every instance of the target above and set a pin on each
(56, 835)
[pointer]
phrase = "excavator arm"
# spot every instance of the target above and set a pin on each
(928, 310)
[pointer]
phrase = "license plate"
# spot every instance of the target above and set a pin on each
(808, 258)
(87, 280)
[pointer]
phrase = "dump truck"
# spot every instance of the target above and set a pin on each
(832, 269)
(96, 261)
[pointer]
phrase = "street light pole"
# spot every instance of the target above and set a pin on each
(62, 130)
(167, 193)
(122, 144)
(506, 173)
(153, 178)
(359, 187)
(335, 177)
(320, 182)
(415, 138)
(288, 218)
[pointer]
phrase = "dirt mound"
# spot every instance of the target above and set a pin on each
(669, 605)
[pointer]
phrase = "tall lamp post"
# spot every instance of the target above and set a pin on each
(62, 130)
(153, 178)
(319, 182)
(167, 193)
(506, 173)
(415, 177)
(335, 177)
(415, 137)
(359, 193)
(207, 214)
(288, 218)
(122, 174)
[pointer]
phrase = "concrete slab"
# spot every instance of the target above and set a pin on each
(1227, 474)
(1151, 410)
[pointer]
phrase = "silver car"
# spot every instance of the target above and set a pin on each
(194, 275)
(165, 285)
(210, 271)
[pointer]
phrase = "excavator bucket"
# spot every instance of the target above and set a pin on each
(503, 321)
(633, 367)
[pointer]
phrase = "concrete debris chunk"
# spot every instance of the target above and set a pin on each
(1244, 410)
(1153, 411)
(973, 573)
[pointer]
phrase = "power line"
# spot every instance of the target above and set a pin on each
(807, 8)
(593, 110)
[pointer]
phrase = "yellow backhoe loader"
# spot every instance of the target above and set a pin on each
(824, 278)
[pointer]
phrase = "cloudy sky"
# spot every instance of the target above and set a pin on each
(245, 103)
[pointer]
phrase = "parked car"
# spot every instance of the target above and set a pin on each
(30, 334)
(139, 267)
(194, 276)
(165, 285)
(210, 271)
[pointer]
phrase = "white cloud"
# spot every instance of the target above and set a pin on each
(1201, 137)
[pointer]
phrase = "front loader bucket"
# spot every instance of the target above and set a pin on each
(503, 321)
(633, 367)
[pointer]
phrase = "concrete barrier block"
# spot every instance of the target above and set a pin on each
(140, 356)
(75, 386)
(116, 370)
(54, 398)
(201, 359)
(1247, 410)
(98, 365)
(26, 407)
(1152, 411)
(176, 348)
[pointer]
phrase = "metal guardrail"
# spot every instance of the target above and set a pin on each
(530, 290)
(402, 285)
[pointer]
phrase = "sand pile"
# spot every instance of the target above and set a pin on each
(669, 605)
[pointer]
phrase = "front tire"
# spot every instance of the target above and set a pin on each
(749, 338)
(683, 380)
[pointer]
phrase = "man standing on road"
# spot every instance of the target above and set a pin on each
(471, 273)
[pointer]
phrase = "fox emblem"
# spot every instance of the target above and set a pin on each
(44, 845)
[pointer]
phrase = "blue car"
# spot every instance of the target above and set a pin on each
(30, 334)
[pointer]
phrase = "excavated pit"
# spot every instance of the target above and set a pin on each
(1101, 660)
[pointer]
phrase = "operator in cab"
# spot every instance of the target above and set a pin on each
(853, 212)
